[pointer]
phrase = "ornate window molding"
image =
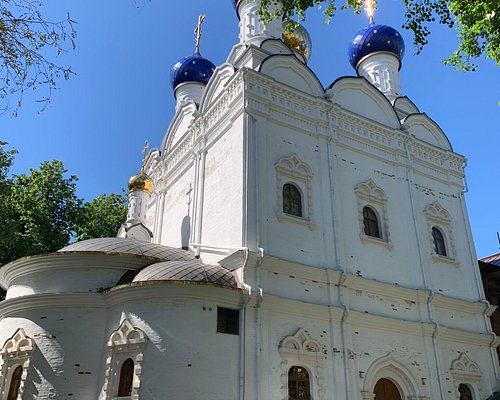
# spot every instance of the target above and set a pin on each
(16, 351)
(439, 218)
(371, 196)
(467, 372)
(124, 343)
(464, 369)
(293, 171)
(302, 350)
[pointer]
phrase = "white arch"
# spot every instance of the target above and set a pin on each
(390, 368)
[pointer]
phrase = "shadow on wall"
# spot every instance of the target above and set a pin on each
(185, 232)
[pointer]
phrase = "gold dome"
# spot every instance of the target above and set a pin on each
(298, 40)
(142, 182)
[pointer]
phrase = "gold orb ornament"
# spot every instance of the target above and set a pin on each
(141, 182)
(298, 40)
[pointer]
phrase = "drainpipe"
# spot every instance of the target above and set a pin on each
(258, 323)
(247, 298)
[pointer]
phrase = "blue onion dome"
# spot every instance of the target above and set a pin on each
(194, 68)
(373, 39)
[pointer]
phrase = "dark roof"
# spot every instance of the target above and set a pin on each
(186, 271)
(494, 259)
(129, 246)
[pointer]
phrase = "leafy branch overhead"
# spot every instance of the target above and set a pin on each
(29, 45)
(476, 21)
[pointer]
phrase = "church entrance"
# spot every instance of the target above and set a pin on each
(386, 390)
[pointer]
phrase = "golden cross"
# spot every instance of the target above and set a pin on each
(198, 32)
(370, 6)
(144, 154)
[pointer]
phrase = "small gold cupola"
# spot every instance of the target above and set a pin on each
(141, 181)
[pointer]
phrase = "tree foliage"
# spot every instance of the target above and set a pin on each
(476, 21)
(42, 213)
(101, 217)
(29, 44)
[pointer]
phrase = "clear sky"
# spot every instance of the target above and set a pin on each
(120, 96)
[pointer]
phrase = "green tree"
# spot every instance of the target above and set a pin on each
(45, 207)
(476, 21)
(40, 212)
(29, 44)
(101, 217)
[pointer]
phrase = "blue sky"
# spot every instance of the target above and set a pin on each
(120, 96)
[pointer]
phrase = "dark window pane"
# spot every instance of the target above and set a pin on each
(439, 244)
(292, 200)
(15, 383)
(298, 384)
(370, 222)
(228, 321)
(126, 378)
(465, 392)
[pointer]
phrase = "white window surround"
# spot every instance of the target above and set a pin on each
(292, 170)
(16, 351)
(467, 372)
(124, 343)
(440, 218)
(302, 350)
(372, 196)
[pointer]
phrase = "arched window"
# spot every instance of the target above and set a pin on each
(386, 390)
(370, 222)
(292, 200)
(15, 383)
(439, 243)
(298, 384)
(126, 378)
(465, 392)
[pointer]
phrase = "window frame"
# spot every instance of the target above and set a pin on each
(439, 218)
(371, 196)
(298, 380)
(375, 222)
(300, 200)
(291, 170)
(439, 241)
(16, 352)
(126, 342)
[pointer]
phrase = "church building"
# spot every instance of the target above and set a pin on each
(285, 241)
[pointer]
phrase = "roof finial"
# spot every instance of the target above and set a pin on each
(370, 6)
(144, 154)
(198, 32)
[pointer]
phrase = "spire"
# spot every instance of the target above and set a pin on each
(144, 155)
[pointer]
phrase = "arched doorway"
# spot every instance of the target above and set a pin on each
(386, 390)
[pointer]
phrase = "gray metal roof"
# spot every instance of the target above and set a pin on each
(129, 246)
(186, 271)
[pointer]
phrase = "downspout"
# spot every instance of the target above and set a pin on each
(424, 276)
(258, 322)
(247, 297)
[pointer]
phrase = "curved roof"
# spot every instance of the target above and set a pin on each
(186, 271)
(194, 68)
(129, 246)
(373, 39)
